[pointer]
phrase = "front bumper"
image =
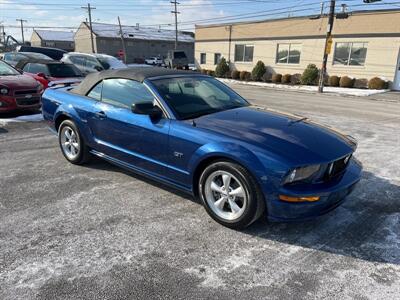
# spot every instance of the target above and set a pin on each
(331, 195)
(12, 103)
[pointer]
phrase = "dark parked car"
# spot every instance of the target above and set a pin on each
(193, 132)
(177, 59)
(18, 91)
(46, 71)
(14, 57)
(53, 53)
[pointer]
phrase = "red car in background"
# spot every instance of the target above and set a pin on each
(18, 91)
(47, 71)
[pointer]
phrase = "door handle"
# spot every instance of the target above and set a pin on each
(100, 115)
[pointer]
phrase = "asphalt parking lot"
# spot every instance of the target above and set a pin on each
(98, 232)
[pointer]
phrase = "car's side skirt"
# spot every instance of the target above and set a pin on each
(142, 172)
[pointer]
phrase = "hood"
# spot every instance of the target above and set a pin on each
(18, 82)
(301, 142)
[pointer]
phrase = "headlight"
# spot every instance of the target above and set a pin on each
(40, 87)
(4, 91)
(301, 173)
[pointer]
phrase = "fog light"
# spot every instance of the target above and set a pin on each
(298, 199)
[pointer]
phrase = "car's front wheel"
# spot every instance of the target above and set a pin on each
(71, 143)
(230, 194)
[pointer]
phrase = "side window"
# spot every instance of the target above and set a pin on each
(123, 92)
(95, 92)
(38, 68)
(26, 67)
(92, 63)
(77, 60)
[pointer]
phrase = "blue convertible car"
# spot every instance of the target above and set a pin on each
(192, 132)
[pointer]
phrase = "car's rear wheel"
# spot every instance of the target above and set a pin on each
(230, 194)
(72, 144)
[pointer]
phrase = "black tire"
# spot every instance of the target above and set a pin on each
(83, 154)
(255, 204)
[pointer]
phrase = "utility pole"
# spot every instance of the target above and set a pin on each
(22, 21)
(89, 10)
(328, 45)
(2, 34)
(230, 42)
(122, 39)
(176, 12)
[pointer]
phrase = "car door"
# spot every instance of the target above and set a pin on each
(130, 138)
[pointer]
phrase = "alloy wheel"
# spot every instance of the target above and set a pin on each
(225, 195)
(69, 142)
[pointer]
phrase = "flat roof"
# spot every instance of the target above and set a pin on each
(313, 16)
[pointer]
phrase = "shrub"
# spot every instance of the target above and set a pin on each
(346, 82)
(244, 75)
(276, 78)
(267, 77)
(361, 83)
(210, 73)
(235, 74)
(376, 83)
(334, 80)
(222, 68)
(258, 71)
(286, 78)
(310, 75)
(295, 78)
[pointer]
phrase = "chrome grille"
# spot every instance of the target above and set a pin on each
(337, 167)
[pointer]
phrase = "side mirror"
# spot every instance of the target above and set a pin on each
(147, 108)
(98, 68)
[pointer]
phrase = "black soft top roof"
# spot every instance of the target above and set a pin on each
(133, 73)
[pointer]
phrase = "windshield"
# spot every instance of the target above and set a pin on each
(192, 97)
(179, 54)
(63, 70)
(111, 62)
(6, 70)
(36, 55)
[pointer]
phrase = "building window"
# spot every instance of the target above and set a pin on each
(350, 54)
(130, 44)
(203, 58)
(288, 54)
(103, 42)
(50, 44)
(217, 58)
(244, 53)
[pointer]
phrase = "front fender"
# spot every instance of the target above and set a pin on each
(231, 151)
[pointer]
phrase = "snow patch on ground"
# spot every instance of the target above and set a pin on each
(29, 118)
(328, 89)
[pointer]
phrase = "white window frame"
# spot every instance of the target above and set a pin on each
(349, 57)
(244, 54)
(205, 58)
(288, 56)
